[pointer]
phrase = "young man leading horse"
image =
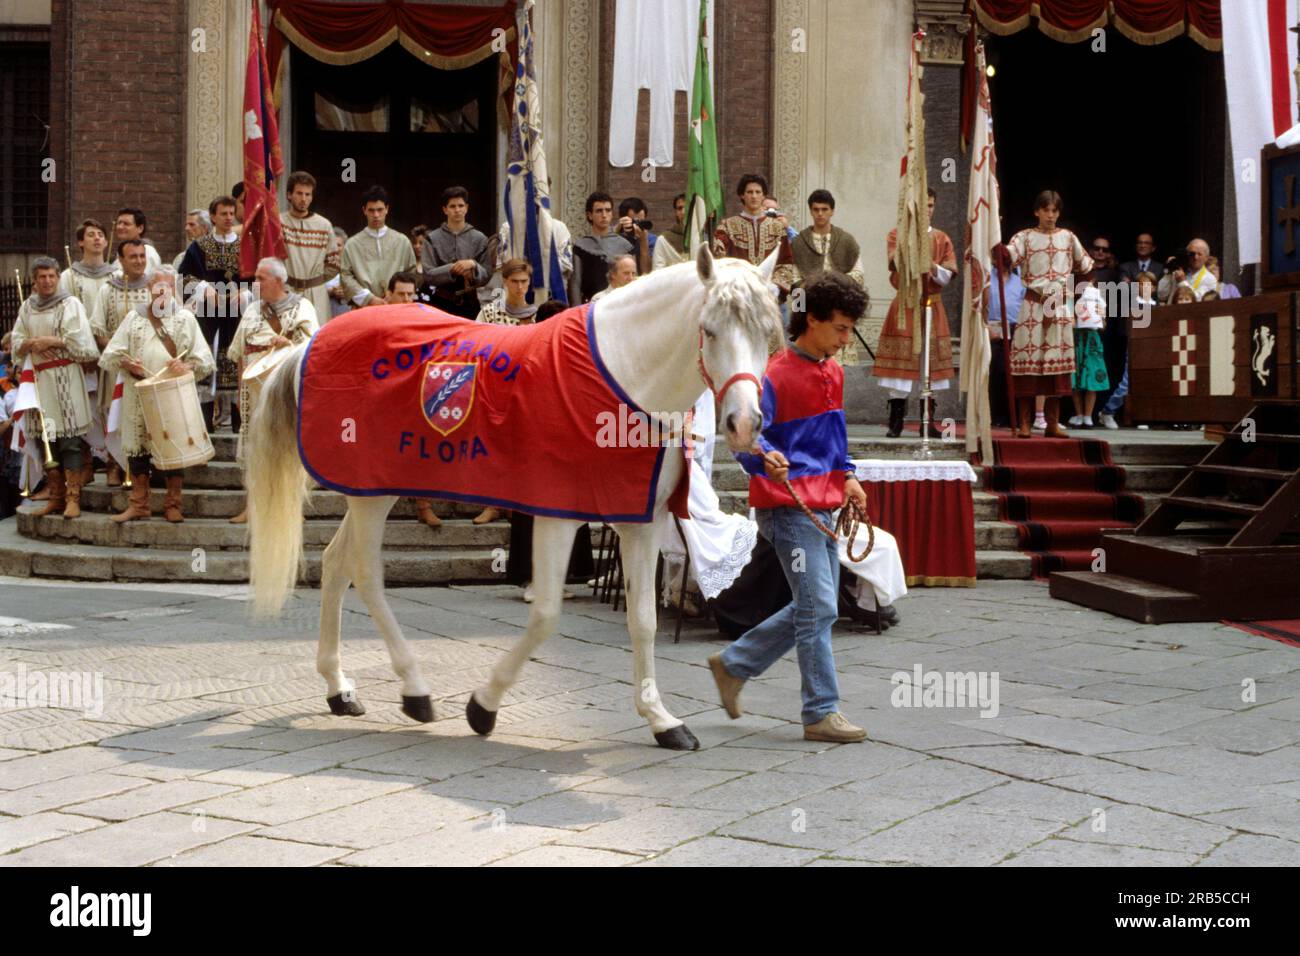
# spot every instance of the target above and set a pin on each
(804, 444)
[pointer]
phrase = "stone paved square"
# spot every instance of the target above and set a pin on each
(1113, 744)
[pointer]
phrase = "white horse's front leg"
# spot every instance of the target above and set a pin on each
(640, 547)
(334, 581)
(367, 517)
(552, 542)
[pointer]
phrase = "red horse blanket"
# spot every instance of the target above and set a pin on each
(407, 400)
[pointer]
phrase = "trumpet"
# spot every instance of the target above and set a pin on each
(50, 460)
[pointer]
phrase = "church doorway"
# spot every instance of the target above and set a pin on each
(412, 129)
(1133, 138)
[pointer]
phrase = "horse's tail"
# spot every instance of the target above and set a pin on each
(277, 488)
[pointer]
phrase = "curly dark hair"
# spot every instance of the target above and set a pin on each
(824, 294)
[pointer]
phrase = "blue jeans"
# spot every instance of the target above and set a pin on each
(1116, 400)
(811, 564)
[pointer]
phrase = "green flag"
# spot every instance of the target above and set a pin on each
(703, 179)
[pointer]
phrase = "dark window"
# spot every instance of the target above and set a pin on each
(24, 113)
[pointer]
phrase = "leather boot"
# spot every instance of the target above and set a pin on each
(934, 431)
(114, 475)
(426, 514)
(897, 413)
(137, 503)
(487, 515)
(242, 517)
(58, 492)
(72, 494)
(172, 501)
(1052, 412)
(1025, 417)
(87, 471)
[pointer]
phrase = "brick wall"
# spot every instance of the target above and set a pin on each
(118, 116)
(742, 99)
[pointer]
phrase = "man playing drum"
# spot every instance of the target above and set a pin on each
(153, 337)
(278, 319)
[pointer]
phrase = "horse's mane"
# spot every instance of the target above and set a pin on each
(739, 291)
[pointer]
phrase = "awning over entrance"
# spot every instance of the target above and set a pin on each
(444, 35)
(1142, 21)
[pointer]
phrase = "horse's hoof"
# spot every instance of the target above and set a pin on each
(481, 720)
(679, 738)
(345, 704)
(418, 708)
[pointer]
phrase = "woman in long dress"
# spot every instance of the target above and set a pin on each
(1042, 348)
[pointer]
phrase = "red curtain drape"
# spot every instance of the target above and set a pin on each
(1142, 21)
(446, 36)
(934, 525)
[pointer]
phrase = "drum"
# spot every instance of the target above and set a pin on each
(259, 373)
(173, 421)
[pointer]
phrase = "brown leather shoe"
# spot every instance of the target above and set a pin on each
(58, 491)
(172, 501)
(834, 728)
(1025, 412)
(114, 475)
(487, 515)
(1052, 412)
(137, 507)
(425, 508)
(728, 686)
(72, 494)
(241, 518)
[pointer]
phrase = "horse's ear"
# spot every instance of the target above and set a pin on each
(704, 264)
(768, 265)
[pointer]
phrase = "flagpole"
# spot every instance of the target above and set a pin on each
(924, 453)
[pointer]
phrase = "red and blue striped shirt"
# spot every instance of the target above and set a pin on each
(803, 418)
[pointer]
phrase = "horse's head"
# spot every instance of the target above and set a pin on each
(740, 326)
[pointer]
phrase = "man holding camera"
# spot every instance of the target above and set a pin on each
(1190, 268)
(593, 253)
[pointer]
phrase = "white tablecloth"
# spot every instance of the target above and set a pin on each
(889, 469)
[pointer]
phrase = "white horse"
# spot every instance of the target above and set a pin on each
(660, 337)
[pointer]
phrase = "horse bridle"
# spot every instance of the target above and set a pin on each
(720, 394)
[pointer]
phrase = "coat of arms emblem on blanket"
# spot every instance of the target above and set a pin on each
(447, 394)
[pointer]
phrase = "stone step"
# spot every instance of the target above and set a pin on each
(217, 534)
(1006, 565)
(33, 557)
(223, 503)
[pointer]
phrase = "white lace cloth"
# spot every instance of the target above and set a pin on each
(883, 469)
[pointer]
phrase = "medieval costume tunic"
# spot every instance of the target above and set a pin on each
(670, 249)
(60, 382)
(502, 313)
(307, 242)
(834, 251)
(1042, 348)
(370, 259)
(753, 238)
(591, 258)
(442, 249)
(214, 260)
(116, 300)
(137, 338)
(898, 353)
(85, 281)
(293, 317)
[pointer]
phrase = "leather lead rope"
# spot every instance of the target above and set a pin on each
(849, 521)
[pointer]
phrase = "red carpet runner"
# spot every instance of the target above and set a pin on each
(1060, 493)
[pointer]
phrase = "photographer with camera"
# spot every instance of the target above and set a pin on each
(1188, 268)
(635, 226)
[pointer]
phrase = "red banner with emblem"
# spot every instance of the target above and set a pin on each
(263, 235)
(407, 400)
